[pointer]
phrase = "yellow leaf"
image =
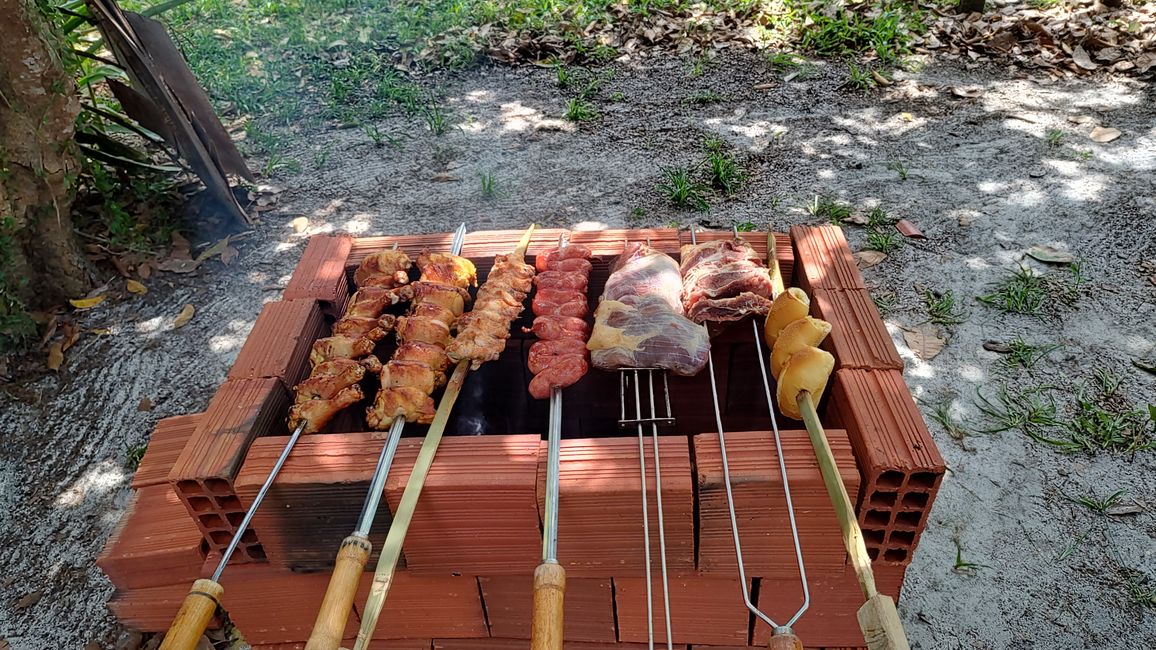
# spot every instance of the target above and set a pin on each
(101, 331)
(55, 357)
(136, 287)
(87, 303)
(184, 317)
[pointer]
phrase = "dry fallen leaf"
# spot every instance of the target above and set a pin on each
(908, 229)
(228, 255)
(184, 317)
(135, 287)
(866, 259)
(1080, 56)
(144, 270)
(55, 356)
(1104, 134)
(300, 224)
(1124, 509)
(924, 341)
(102, 331)
(145, 404)
(857, 219)
(967, 91)
(1050, 255)
(71, 336)
(87, 303)
(996, 346)
(29, 600)
(218, 248)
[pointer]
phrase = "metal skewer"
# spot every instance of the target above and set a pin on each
(782, 636)
(353, 555)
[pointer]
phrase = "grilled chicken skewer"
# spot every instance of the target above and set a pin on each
(333, 384)
(416, 370)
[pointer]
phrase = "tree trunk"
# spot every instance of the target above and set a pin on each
(38, 162)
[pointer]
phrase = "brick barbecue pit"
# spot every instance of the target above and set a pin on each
(475, 537)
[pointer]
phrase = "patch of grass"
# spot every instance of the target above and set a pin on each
(941, 413)
(961, 566)
(899, 168)
(705, 98)
(320, 157)
(637, 214)
(827, 208)
(1097, 504)
(378, 137)
(941, 307)
(699, 66)
(1101, 424)
(725, 172)
(680, 187)
(617, 97)
(885, 301)
(133, 454)
(884, 241)
(745, 226)
(437, 120)
(1031, 410)
(562, 76)
(783, 61)
(1054, 138)
(489, 185)
(860, 77)
(580, 110)
(1025, 355)
(1140, 591)
(840, 30)
(1044, 4)
(1022, 292)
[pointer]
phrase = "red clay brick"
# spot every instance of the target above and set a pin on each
(278, 345)
(165, 445)
(703, 609)
(524, 644)
(760, 505)
(600, 506)
(823, 260)
(320, 274)
(858, 338)
(835, 600)
(901, 465)
(589, 608)
(155, 542)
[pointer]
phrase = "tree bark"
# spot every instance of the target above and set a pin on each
(38, 162)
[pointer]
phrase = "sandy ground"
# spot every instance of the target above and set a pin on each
(982, 184)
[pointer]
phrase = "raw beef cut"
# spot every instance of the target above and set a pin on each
(646, 333)
(643, 271)
(724, 281)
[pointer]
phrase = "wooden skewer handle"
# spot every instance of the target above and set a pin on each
(784, 641)
(549, 591)
(194, 615)
(329, 629)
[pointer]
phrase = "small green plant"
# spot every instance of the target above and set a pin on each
(745, 226)
(617, 96)
(1100, 423)
(1083, 155)
(1030, 410)
(699, 65)
(436, 119)
(489, 185)
(1140, 592)
(829, 209)
(899, 168)
(563, 76)
(860, 77)
(675, 224)
(375, 134)
(1025, 355)
(636, 214)
(885, 301)
(725, 173)
(320, 157)
(1022, 292)
(783, 61)
(1054, 138)
(885, 241)
(941, 307)
(133, 454)
(579, 110)
(1097, 504)
(962, 567)
(1044, 4)
(941, 413)
(704, 98)
(682, 190)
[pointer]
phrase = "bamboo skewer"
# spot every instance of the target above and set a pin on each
(878, 618)
(391, 550)
(354, 552)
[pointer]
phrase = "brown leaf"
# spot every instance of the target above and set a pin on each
(71, 336)
(228, 255)
(996, 346)
(49, 330)
(29, 600)
(1050, 255)
(184, 317)
(1080, 56)
(181, 247)
(967, 92)
(121, 265)
(908, 229)
(145, 404)
(55, 356)
(1104, 134)
(857, 219)
(216, 249)
(924, 341)
(144, 270)
(87, 303)
(135, 287)
(1124, 509)
(867, 259)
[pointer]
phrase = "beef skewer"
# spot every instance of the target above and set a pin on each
(782, 637)
(557, 359)
(333, 384)
(505, 282)
(395, 403)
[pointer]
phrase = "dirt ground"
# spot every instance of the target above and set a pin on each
(982, 182)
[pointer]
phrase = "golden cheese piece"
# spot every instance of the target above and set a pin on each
(789, 306)
(807, 370)
(805, 332)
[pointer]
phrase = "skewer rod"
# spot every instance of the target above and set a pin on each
(878, 618)
(553, 467)
(380, 473)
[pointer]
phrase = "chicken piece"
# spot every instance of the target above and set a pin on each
(414, 374)
(340, 347)
(354, 327)
(544, 353)
(450, 297)
(427, 353)
(573, 251)
(424, 330)
(369, 302)
(491, 322)
(565, 371)
(446, 268)
(562, 280)
(433, 311)
(550, 327)
(513, 272)
(388, 268)
(409, 403)
(329, 378)
(318, 412)
(477, 346)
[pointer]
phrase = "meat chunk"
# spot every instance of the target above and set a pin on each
(562, 280)
(562, 372)
(317, 413)
(573, 251)
(388, 268)
(448, 296)
(646, 333)
(642, 271)
(340, 347)
(544, 353)
(354, 327)
(728, 309)
(549, 327)
(369, 302)
(445, 268)
(427, 353)
(560, 302)
(422, 330)
(407, 402)
(397, 374)
(724, 281)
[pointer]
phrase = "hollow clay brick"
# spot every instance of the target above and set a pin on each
(445, 606)
(760, 505)
(706, 610)
(320, 275)
(588, 608)
(823, 260)
(600, 506)
(279, 344)
(524, 644)
(835, 599)
(155, 542)
(165, 445)
(758, 241)
(858, 338)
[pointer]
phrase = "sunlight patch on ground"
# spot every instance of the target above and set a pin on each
(916, 367)
(977, 263)
(589, 225)
(519, 118)
(97, 480)
(222, 343)
(358, 225)
(151, 325)
(971, 373)
(479, 96)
